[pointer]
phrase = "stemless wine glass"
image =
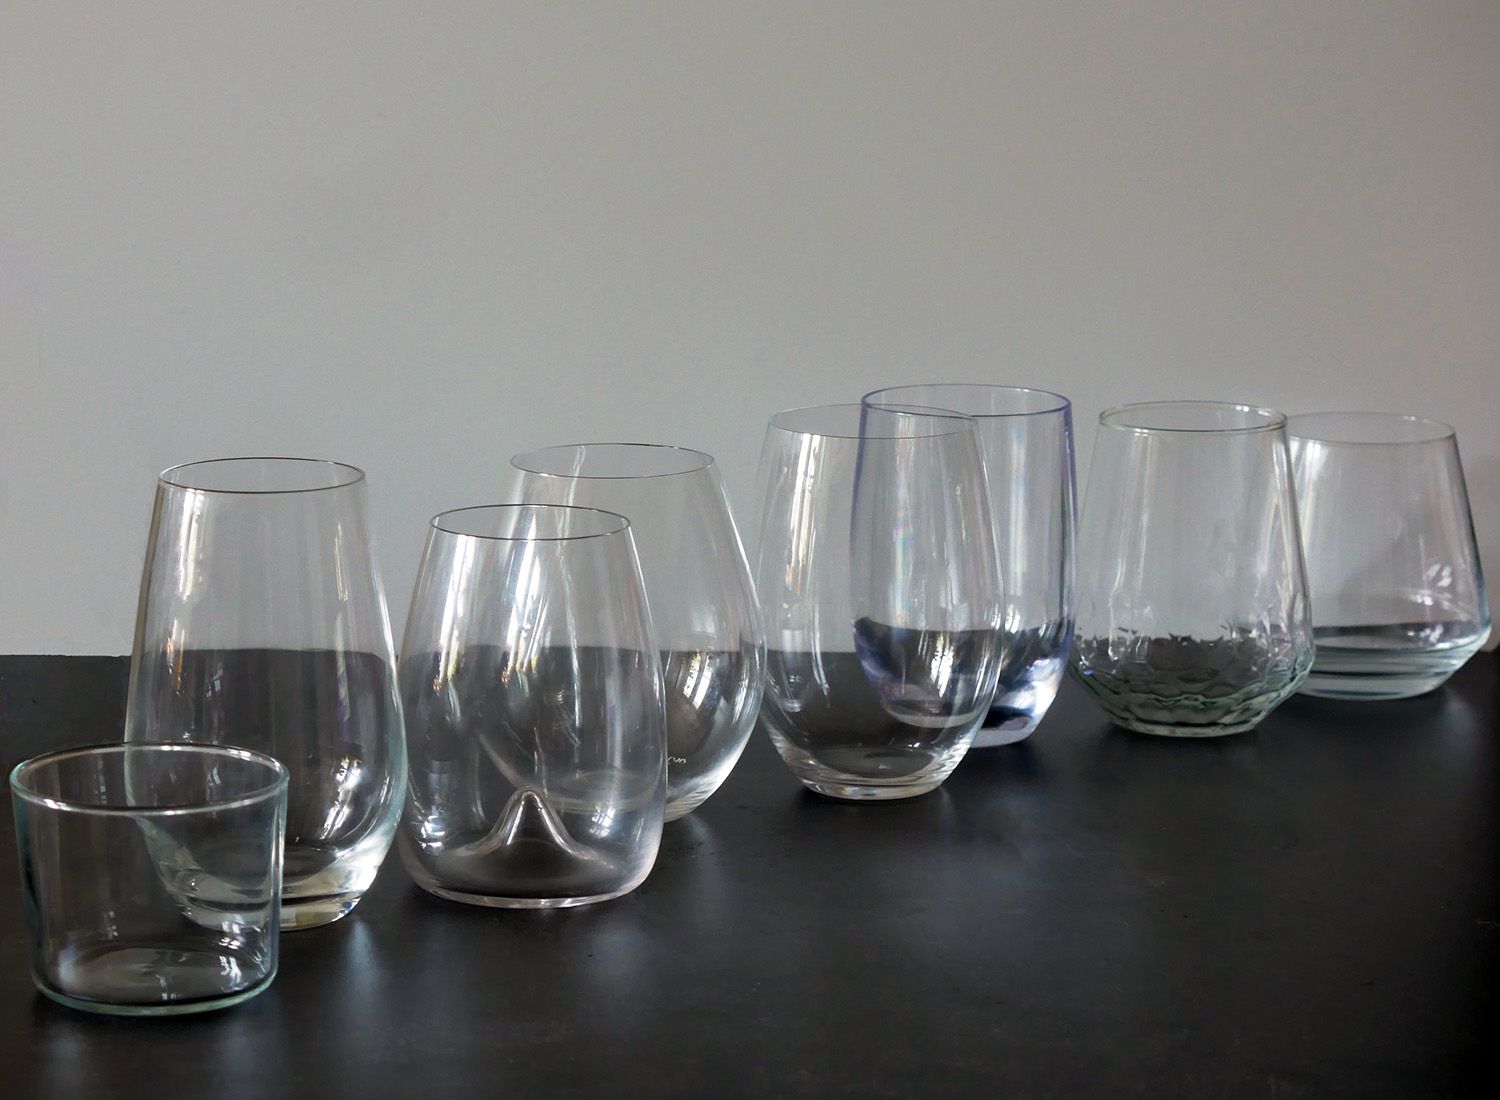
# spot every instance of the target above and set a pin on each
(1398, 599)
(533, 697)
(262, 624)
(1026, 436)
(880, 595)
(703, 610)
(1193, 615)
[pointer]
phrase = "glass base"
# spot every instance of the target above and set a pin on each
(1008, 734)
(1337, 686)
(215, 964)
(1160, 729)
(871, 772)
(491, 901)
(867, 792)
(681, 807)
(300, 913)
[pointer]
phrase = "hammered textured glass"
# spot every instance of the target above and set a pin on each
(533, 695)
(1026, 436)
(1398, 598)
(150, 875)
(703, 609)
(1193, 611)
(880, 595)
(262, 624)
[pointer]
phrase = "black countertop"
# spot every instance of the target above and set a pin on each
(1311, 909)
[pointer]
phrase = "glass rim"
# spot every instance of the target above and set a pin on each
(1115, 418)
(1062, 403)
(621, 525)
(1441, 432)
(704, 461)
(961, 422)
(278, 783)
(349, 475)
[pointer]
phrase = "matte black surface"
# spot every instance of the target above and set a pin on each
(1311, 909)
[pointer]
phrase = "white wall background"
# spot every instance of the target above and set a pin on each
(420, 237)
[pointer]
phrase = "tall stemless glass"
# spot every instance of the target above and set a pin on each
(880, 595)
(262, 624)
(1193, 614)
(1398, 598)
(1026, 436)
(703, 610)
(534, 704)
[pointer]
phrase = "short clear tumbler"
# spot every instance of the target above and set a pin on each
(151, 875)
(1398, 598)
(533, 697)
(1193, 612)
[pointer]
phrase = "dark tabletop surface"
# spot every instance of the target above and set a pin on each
(1311, 909)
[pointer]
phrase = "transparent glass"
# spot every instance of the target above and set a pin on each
(703, 609)
(533, 698)
(150, 875)
(1398, 599)
(262, 624)
(880, 595)
(1026, 437)
(1193, 613)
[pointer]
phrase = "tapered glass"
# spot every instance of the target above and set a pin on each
(150, 875)
(262, 624)
(1398, 597)
(533, 695)
(703, 608)
(1026, 437)
(880, 595)
(1193, 610)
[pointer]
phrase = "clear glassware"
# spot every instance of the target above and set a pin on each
(703, 609)
(533, 694)
(262, 624)
(1026, 436)
(151, 874)
(1398, 598)
(1193, 613)
(880, 596)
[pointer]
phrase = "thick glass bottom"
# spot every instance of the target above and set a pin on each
(127, 980)
(1027, 686)
(492, 901)
(1007, 733)
(870, 773)
(300, 913)
(1163, 729)
(1179, 686)
(1335, 685)
(867, 792)
(1390, 662)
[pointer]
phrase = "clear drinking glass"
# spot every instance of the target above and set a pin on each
(150, 875)
(1398, 599)
(262, 624)
(533, 697)
(1026, 437)
(880, 595)
(1193, 615)
(703, 609)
